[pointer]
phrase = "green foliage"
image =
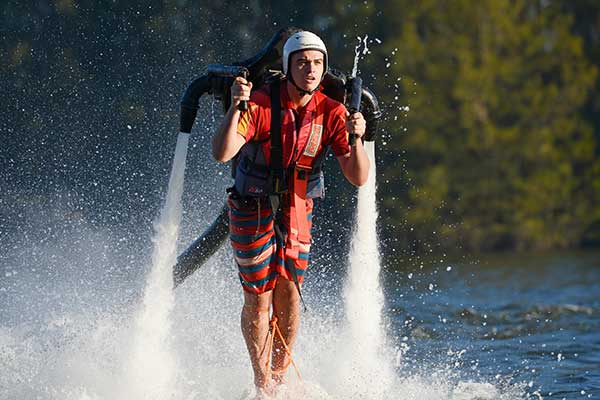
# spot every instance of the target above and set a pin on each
(498, 148)
(498, 153)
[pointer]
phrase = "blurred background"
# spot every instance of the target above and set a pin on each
(490, 139)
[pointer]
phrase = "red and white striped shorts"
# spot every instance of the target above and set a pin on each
(259, 259)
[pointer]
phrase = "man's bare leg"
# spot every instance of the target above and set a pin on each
(255, 328)
(286, 307)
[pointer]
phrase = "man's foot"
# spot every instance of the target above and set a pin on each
(267, 391)
(277, 377)
(278, 374)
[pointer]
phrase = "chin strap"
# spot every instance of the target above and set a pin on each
(302, 91)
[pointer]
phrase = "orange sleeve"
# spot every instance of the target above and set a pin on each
(255, 123)
(246, 124)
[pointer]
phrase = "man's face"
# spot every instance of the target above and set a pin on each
(307, 68)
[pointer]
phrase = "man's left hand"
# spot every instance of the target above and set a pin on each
(356, 124)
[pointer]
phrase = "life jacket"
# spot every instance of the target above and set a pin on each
(252, 173)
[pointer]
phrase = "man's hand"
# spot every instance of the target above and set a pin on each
(355, 164)
(356, 124)
(226, 142)
(240, 90)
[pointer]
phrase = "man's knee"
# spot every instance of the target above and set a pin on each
(286, 294)
(286, 287)
(257, 303)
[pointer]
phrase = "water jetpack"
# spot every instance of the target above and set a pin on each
(258, 69)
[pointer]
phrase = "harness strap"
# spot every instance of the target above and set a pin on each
(276, 166)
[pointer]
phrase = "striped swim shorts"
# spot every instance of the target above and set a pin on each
(259, 259)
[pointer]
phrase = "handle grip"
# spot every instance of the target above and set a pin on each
(243, 105)
(355, 99)
(229, 71)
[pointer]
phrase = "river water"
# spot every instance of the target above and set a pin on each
(493, 328)
(72, 290)
(530, 319)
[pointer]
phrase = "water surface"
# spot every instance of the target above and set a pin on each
(533, 319)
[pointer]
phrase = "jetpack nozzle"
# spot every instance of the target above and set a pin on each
(355, 84)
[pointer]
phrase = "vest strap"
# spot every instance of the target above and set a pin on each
(276, 165)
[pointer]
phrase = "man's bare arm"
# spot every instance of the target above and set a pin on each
(355, 165)
(227, 142)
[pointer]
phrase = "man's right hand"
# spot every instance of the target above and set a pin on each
(226, 142)
(240, 90)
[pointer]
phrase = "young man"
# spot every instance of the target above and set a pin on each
(272, 251)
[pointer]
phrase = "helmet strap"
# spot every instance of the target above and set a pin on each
(300, 90)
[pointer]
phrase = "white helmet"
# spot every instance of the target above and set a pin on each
(303, 40)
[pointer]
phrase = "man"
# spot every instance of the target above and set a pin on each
(270, 230)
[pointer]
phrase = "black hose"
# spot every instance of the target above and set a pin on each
(203, 248)
(372, 113)
(189, 102)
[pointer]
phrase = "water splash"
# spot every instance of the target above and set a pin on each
(362, 42)
(77, 353)
(367, 368)
(152, 367)
(74, 353)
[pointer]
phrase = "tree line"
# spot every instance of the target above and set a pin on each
(490, 139)
(499, 147)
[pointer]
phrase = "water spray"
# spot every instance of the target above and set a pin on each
(363, 294)
(355, 85)
(152, 366)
